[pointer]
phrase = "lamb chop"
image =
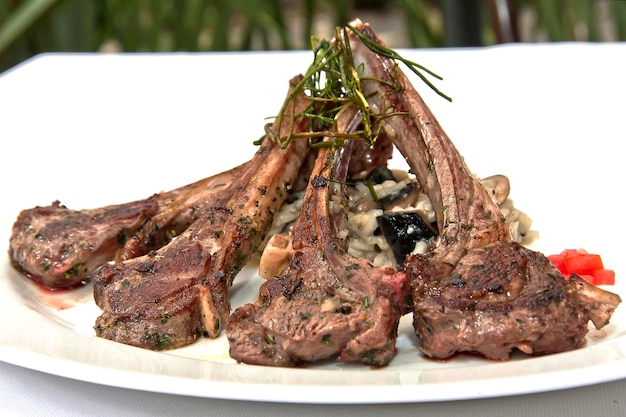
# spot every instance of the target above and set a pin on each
(476, 290)
(176, 213)
(59, 247)
(322, 302)
(502, 297)
(168, 297)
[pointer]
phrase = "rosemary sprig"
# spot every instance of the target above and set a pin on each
(331, 82)
(390, 53)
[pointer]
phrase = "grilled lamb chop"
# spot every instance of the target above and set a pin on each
(325, 303)
(168, 297)
(476, 290)
(59, 247)
(176, 212)
(500, 297)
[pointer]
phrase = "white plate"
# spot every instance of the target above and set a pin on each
(94, 130)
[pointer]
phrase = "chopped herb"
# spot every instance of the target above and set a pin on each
(74, 270)
(467, 226)
(158, 341)
(370, 187)
(368, 354)
(326, 340)
(408, 299)
(239, 261)
(245, 220)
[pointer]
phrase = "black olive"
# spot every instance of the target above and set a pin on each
(403, 230)
(404, 197)
(380, 174)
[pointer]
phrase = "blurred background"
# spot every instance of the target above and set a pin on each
(30, 27)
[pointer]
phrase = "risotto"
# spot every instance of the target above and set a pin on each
(366, 202)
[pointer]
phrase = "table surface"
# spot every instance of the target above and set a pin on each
(25, 392)
(28, 392)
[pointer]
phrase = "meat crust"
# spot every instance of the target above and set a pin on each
(499, 298)
(182, 289)
(475, 290)
(60, 247)
(325, 303)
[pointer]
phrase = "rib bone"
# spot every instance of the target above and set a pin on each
(476, 291)
(165, 298)
(325, 303)
(60, 247)
(432, 157)
(176, 212)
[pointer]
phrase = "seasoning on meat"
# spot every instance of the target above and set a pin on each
(476, 290)
(325, 303)
(168, 297)
(60, 247)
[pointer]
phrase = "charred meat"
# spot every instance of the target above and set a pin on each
(60, 247)
(321, 302)
(503, 297)
(168, 297)
(475, 290)
(177, 211)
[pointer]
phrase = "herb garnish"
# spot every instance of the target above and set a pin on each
(333, 82)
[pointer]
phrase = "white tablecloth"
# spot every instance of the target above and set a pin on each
(107, 101)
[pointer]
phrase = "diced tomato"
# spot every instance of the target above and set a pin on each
(558, 260)
(604, 277)
(583, 263)
(588, 266)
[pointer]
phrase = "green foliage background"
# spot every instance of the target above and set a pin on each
(30, 27)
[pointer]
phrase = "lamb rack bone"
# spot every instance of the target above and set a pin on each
(431, 155)
(59, 246)
(477, 291)
(168, 297)
(325, 303)
(177, 210)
